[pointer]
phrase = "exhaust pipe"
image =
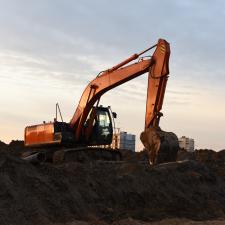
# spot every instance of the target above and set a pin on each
(36, 158)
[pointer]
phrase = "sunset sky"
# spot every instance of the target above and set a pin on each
(50, 50)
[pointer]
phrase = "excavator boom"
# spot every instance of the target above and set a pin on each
(158, 69)
(102, 84)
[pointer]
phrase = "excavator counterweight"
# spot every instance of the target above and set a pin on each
(92, 125)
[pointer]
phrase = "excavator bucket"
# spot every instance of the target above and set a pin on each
(161, 146)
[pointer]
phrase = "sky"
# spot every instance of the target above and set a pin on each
(50, 50)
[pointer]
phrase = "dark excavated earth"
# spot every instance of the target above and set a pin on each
(126, 192)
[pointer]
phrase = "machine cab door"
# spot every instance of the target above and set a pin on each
(101, 129)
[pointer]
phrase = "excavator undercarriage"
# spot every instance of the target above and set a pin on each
(60, 155)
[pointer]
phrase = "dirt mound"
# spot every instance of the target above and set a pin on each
(213, 160)
(16, 147)
(111, 192)
(3, 145)
(207, 156)
(128, 155)
(107, 191)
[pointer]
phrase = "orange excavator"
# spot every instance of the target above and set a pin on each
(92, 125)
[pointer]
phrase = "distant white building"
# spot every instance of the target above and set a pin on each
(123, 140)
(187, 143)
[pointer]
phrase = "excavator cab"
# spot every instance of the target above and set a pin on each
(98, 129)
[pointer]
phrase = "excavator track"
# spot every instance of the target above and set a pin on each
(79, 154)
(86, 155)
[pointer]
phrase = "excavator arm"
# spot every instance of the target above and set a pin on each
(158, 69)
(101, 85)
(157, 80)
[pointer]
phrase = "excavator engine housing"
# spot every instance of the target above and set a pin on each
(60, 133)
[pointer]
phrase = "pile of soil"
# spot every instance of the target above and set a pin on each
(109, 192)
(207, 156)
(2, 145)
(215, 161)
